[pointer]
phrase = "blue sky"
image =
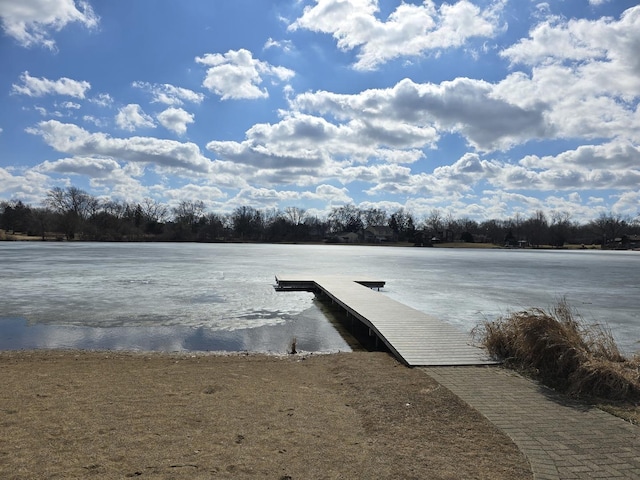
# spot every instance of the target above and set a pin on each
(478, 108)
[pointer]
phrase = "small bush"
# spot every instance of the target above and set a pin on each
(559, 349)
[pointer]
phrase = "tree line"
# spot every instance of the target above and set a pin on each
(73, 214)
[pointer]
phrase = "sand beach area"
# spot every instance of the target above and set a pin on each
(107, 415)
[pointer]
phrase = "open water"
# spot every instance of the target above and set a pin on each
(195, 297)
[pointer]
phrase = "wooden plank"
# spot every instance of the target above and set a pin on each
(415, 338)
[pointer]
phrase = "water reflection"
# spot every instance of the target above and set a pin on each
(311, 329)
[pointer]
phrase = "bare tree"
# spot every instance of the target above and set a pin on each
(248, 223)
(536, 229)
(347, 218)
(294, 215)
(610, 226)
(403, 224)
(71, 200)
(434, 222)
(114, 208)
(560, 228)
(374, 217)
(73, 205)
(189, 213)
(154, 211)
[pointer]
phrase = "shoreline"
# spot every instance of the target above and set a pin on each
(75, 414)
(10, 237)
(448, 245)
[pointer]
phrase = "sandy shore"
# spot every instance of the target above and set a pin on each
(345, 416)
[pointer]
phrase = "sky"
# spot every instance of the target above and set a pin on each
(482, 109)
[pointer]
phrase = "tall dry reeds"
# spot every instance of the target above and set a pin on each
(564, 352)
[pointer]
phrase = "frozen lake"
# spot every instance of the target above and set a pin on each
(187, 297)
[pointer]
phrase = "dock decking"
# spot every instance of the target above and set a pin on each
(415, 338)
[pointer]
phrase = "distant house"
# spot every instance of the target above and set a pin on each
(627, 242)
(345, 237)
(379, 234)
(633, 241)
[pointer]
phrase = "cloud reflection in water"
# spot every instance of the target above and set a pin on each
(311, 329)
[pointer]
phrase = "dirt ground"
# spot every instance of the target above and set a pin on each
(344, 416)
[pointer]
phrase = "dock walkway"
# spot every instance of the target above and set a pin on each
(563, 440)
(415, 338)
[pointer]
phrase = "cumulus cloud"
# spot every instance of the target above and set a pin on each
(29, 186)
(329, 193)
(169, 94)
(175, 119)
(38, 87)
(91, 166)
(605, 41)
(465, 106)
(102, 100)
(311, 142)
(619, 154)
(236, 74)
(611, 165)
(262, 197)
(373, 136)
(585, 72)
(409, 31)
(131, 117)
(104, 173)
(206, 193)
(98, 122)
(163, 154)
(30, 22)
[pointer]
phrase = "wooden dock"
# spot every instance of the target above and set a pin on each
(415, 338)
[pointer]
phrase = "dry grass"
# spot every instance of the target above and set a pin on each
(565, 353)
(116, 415)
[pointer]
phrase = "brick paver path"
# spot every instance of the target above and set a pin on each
(561, 439)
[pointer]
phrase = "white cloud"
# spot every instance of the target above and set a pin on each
(30, 22)
(175, 119)
(69, 105)
(165, 155)
(611, 165)
(170, 94)
(38, 87)
(91, 166)
(585, 72)
(206, 193)
(263, 198)
(284, 45)
(98, 122)
(409, 31)
(131, 117)
(104, 173)
(102, 100)
(614, 155)
(236, 74)
(30, 186)
(603, 42)
(414, 114)
(330, 194)
(309, 143)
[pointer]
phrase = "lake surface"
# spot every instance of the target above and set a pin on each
(193, 297)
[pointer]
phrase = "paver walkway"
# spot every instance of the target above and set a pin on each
(561, 439)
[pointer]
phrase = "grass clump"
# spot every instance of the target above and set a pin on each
(563, 352)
